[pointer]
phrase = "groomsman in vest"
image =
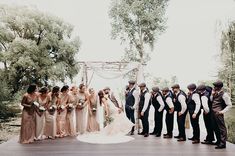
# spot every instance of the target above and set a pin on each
(194, 108)
(158, 104)
(206, 106)
(132, 98)
(144, 105)
(181, 108)
(221, 103)
(169, 106)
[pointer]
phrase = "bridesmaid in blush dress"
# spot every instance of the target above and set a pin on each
(28, 125)
(81, 110)
(62, 111)
(70, 118)
(51, 113)
(92, 124)
(43, 100)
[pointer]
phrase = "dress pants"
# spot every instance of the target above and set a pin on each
(209, 126)
(130, 114)
(145, 122)
(219, 128)
(195, 125)
(181, 124)
(169, 122)
(158, 116)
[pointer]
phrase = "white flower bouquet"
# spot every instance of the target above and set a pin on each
(70, 107)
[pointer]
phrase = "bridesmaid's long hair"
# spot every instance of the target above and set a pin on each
(101, 96)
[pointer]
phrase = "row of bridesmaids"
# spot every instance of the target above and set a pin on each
(58, 113)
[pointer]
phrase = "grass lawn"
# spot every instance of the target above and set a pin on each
(230, 122)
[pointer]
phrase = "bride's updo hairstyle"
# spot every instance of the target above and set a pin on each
(101, 96)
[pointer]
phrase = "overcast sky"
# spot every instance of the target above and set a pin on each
(187, 49)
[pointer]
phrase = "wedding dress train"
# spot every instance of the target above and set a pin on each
(115, 132)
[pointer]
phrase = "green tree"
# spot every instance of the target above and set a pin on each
(36, 47)
(138, 23)
(227, 70)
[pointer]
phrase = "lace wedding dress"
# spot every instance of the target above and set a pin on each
(115, 132)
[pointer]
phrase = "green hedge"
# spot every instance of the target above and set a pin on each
(230, 122)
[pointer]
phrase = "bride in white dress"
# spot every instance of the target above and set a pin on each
(117, 125)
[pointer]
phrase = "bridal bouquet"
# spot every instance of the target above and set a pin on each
(108, 120)
(41, 109)
(94, 107)
(81, 103)
(70, 107)
(52, 109)
(38, 106)
(35, 103)
(60, 108)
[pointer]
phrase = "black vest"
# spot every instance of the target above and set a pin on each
(177, 104)
(130, 99)
(218, 103)
(206, 94)
(142, 100)
(155, 103)
(170, 95)
(191, 103)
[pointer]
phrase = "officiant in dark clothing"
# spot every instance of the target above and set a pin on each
(158, 104)
(181, 107)
(132, 98)
(221, 103)
(194, 108)
(144, 106)
(207, 116)
(169, 107)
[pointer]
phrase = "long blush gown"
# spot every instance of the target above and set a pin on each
(92, 124)
(81, 115)
(50, 119)
(70, 117)
(28, 125)
(40, 119)
(61, 116)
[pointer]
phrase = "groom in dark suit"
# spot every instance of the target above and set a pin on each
(131, 103)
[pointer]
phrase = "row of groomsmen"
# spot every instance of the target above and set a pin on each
(214, 103)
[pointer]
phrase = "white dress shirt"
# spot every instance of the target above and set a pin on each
(227, 100)
(205, 105)
(147, 97)
(161, 102)
(182, 100)
(196, 99)
(169, 101)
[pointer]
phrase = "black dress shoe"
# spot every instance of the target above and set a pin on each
(191, 138)
(167, 136)
(220, 147)
(181, 139)
(153, 133)
(158, 135)
(146, 135)
(207, 142)
(214, 143)
(196, 141)
(177, 137)
(141, 133)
